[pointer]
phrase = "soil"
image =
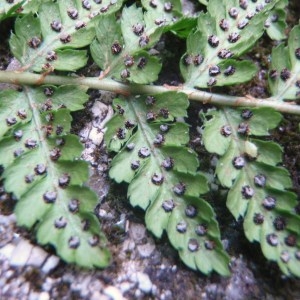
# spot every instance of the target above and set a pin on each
(144, 267)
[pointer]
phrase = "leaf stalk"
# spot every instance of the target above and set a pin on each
(23, 78)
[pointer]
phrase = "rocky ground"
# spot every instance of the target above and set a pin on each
(142, 267)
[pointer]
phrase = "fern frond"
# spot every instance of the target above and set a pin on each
(51, 41)
(163, 178)
(258, 187)
(284, 74)
(43, 170)
(224, 33)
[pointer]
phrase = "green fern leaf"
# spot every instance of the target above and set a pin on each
(51, 41)
(42, 169)
(163, 178)
(119, 48)
(226, 31)
(284, 75)
(258, 186)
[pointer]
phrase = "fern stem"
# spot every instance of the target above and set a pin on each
(22, 78)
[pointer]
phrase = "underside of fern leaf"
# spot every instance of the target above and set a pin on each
(258, 187)
(163, 177)
(51, 41)
(224, 33)
(43, 170)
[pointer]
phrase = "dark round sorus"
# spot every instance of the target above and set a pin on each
(164, 112)
(86, 4)
(258, 218)
(233, 37)
(129, 124)
(10, 1)
(211, 82)
(193, 245)
(247, 192)
(94, 240)
(285, 74)
(272, 239)
(142, 62)
(72, 13)
(243, 4)
(116, 48)
(297, 83)
(226, 130)
(168, 163)
(130, 146)
(153, 3)
(168, 7)
(29, 178)
(198, 59)
(291, 240)
(150, 100)
(48, 91)
(260, 180)
(22, 114)
(181, 227)
(246, 114)
(85, 224)
(79, 25)
(121, 133)
(243, 23)
(74, 242)
(243, 128)
(144, 41)
(47, 66)
(269, 203)
(159, 22)
(30, 143)
(40, 169)
(250, 15)
(168, 205)
(224, 24)
(285, 256)
(259, 7)
(213, 41)
(128, 61)
(214, 70)
(56, 25)
(279, 223)
(125, 74)
(191, 211)
(233, 12)
(297, 254)
(18, 152)
(144, 152)
(187, 59)
(201, 229)
(11, 121)
(224, 53)
(238, 162)
(51, 56)
(104, 9)
(179, 189)
(230, 70)
(59, 130)
(150, 116)
(164, 128)
(209, 245)
(297, 53)
(34, 42)
(18, 134)
(138, 29)
(135, 165)
(65, 38)
(55, 154)
(60, 222)
(64, 180)
(50, 197)
(120, 109)
(73, 205)
(159, 139)
(157, 179)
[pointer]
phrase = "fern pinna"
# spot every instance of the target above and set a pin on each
(147, 133)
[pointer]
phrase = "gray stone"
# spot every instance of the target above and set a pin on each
(144, 282)
(21, 253)
(50, 264)
(145, 250)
